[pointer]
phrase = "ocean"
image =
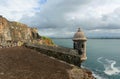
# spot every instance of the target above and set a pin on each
(103, 56)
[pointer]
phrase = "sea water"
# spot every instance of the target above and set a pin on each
(103, 56)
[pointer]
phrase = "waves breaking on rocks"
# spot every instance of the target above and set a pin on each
(109, 66)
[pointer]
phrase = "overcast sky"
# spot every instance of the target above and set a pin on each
(61, 18)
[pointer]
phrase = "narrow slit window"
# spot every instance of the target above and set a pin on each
(82, 45)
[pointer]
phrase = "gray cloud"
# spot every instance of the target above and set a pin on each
(61, 18)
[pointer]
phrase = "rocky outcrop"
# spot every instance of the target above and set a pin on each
(11, 31)
(80, 73)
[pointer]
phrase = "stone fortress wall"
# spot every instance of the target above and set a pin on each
(73, 56)
(16, 34)
(65, 54)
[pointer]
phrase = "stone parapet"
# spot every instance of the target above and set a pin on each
(65, 54)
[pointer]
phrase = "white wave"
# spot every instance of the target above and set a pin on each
(109, 66)
(97, 76)
(82, 66)
(111, 69)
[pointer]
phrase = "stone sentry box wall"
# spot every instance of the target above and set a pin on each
(79, 43)
(73, 56)
(65, 54)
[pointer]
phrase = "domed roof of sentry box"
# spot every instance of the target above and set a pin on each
(79, 35)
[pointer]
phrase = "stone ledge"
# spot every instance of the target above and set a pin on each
(65, 54)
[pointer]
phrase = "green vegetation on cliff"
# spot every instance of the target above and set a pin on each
(47, 41)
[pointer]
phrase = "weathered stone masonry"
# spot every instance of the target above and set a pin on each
(73, 56)
(66, 54)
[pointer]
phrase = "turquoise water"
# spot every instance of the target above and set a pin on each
(103, 56)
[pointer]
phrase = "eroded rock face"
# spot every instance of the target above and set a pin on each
(15, 31)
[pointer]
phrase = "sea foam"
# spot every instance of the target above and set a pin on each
(109, 66)
(94, 74)
(97, 76)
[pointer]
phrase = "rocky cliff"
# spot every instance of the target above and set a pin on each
(11, 31)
